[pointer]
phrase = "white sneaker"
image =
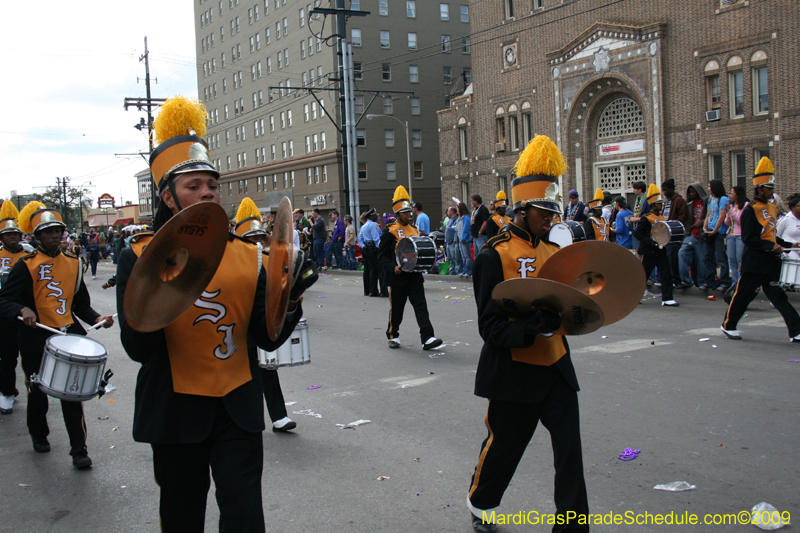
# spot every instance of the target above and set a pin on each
(284, 424)
(394, 343)
(796, 338)
(94, 277)
(6, 404)
(431, 343)
(670, 303)
(735, 335)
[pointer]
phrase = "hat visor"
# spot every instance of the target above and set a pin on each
(10, 230)
(197, 166)
(50, 224)
(547, 206)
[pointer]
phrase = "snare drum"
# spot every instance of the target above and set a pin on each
(790, 273)
(416, 254)
(566, 233)
(72, 367)
(666, 232)
(295, 351)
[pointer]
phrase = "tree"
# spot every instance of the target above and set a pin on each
(53, 197)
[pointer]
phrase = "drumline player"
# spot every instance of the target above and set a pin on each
(499, 220)
(653, 254)
(46, 286)
(761, 261)
(197, 402)
(249, 228)
(403, 285)
(596, 225)
(10, 253)
(525, 371)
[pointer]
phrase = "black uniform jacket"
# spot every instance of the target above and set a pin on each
(758, 256)
(388, 260)
(647, 246)
(17, 293)
(163, 416)
(499, 377)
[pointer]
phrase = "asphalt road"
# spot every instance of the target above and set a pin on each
(720, 414)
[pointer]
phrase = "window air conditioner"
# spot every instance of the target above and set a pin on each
(713, 115)
(500, 147)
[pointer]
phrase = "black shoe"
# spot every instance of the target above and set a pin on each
(480, 526)
(41, 445)
(82, 461)
(375, 295)
(385, 295)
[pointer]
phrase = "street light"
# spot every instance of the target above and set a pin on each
(408, 147)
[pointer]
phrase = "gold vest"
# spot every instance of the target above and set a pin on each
(521, 260)
(654, 218)
(766, 214)
(140, 241)
(9, 259)
(55, 282)
(501, 221)
(600, 226)
(401, 232)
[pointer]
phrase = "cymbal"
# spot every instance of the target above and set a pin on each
(579, 313)
(607, 272)
(176, 266)
(279, 268)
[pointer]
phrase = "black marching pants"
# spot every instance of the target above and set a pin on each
(9, 353)
(511, 426)
(414, 292)
(273, 395)
(672, 255)
(660, 260)
(746, 292)
(39, 402)
(235, 458)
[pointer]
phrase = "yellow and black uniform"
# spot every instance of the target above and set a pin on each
(499, 220)
(526, 376)
(51, 285)
(596, 226)
(652, 254)
(9, 347)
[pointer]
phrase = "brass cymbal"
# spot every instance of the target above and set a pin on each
(579, 313)
(279, 268)
(176, 266)
(607, 272)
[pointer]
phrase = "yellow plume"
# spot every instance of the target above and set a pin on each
(501, 196)
(598, 194)
(765, 166)
(9, 210)
(247, 209)
(653, 189)
(178, 115)
(25, 216)
(541, 156)
(400, 193)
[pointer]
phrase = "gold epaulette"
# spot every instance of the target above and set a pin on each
(138, 236)
(29, 255)
(503, 236)
(70, 254)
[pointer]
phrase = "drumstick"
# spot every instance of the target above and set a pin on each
(103, 322)
(48, 328)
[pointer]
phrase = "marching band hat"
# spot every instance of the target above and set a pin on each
(765, 173)
(401, 202)
(180, 127)
(597, 201)
(538, 169)
(654, 195)
(501, 200)
(248, 219)
(36, 216)
(8, 218)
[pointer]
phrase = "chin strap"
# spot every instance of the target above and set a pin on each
(174, 196)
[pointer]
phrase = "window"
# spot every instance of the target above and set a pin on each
(413, 73)
(285, 180)
(361, 137)
(509, 8)
(315, 142)
(227, 138)
(229, 167)
(391, 171)
(274, 182)
(500, 130)
(388, 105)
(305, 112)
(355, 36)
(289, 117)
(445, 43)
(278, 30)
(738, 169)
(444, 11)
(313, 111)
(310, 46)
(412, 41)
(527, 129)
(269, 65)
(252, 44)
(447, 74)
(357, 70)
(302, 17)
(362, 171)
(283, 150)
(291, 148)
(537, 4)
(286, 57)
(714, 167)
(513, 130)
(384, 39)
(415, 106)
(416, 138)
(386, 72)
(760, 91)
(759, 153)
(355, 5)
(465, 45)
(358, 104)
(323, 144)
(383, 7)
(280, 60)
(411, 9)
(255, 11)
(253, 74)
(273, 152)
(462, 142)
(316, 174)
(267, 37)
(308, 144)
(261, 126)
(250, 15)
(736, 89)
(285, 26)
(309, 174)
(713, 98)
(464, 13)
(283, 120)
(302, 49)
(417, 170)
(258, 69)
(388, 137)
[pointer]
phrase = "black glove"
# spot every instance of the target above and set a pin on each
(304, 275)
(544, 321)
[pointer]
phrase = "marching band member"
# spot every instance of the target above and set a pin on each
(197, 402)
(249, 228)
(403, 285)
(653, 254)
(46, 286)
(524, 369)
(596, 225)
(499, 220)
(761, 262)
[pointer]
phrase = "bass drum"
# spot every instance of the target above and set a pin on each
(666, 232)
(416, 254)
(566, 233)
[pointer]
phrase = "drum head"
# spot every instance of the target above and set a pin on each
(406, 254)
(77, 345)
(661, 233)
(560, 234)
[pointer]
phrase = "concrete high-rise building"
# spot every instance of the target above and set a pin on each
(409, 58)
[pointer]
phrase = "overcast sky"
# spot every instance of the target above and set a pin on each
(69, 67)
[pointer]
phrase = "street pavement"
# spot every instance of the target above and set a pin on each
(719, 414)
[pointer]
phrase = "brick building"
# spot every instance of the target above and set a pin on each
(629, 90)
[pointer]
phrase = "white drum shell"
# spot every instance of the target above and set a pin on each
(295, 351)
(790, 273)
(72, 367)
